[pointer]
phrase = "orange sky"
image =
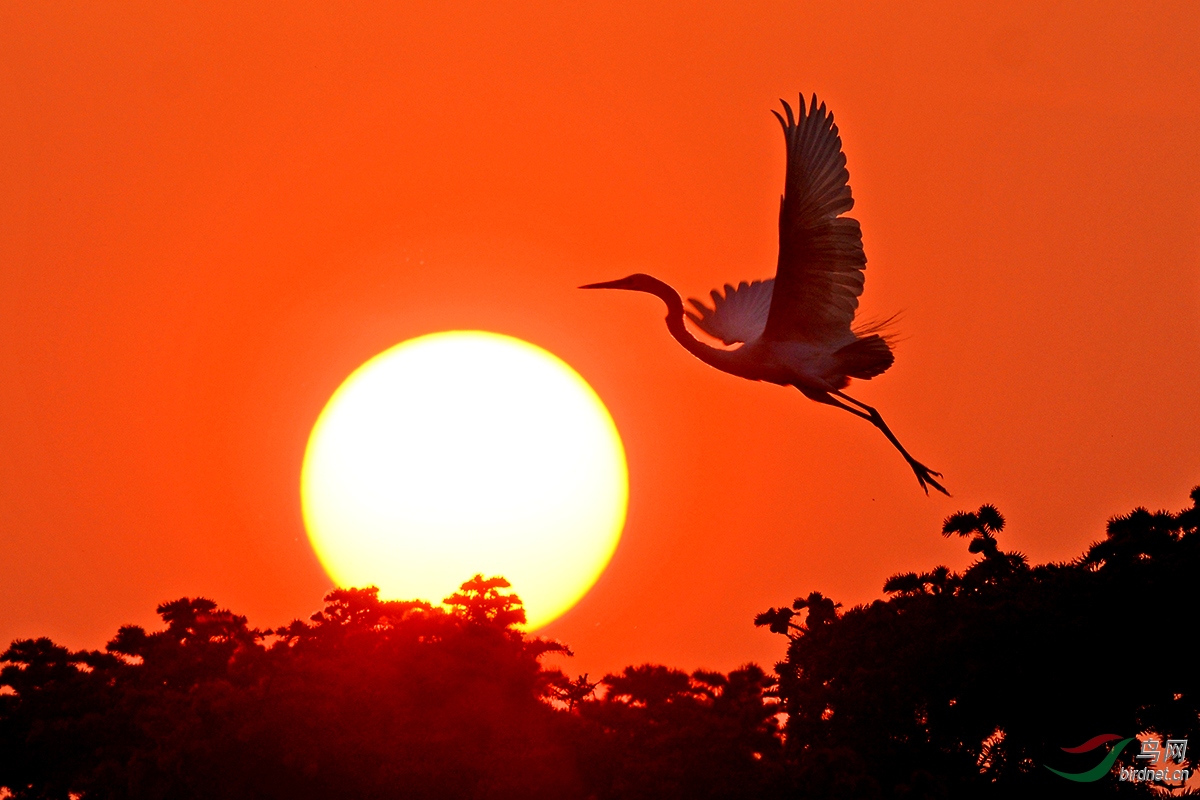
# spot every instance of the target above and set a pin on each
(210, 215)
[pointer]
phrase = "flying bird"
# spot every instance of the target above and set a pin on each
(797, 329)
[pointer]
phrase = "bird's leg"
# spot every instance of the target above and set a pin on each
(823, 397)
(925, 476)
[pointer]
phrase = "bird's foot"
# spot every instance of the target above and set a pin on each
(927, 477)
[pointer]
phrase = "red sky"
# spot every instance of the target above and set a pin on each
(210, 215)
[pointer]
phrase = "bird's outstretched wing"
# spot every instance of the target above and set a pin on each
(821, 258)
(740, 315)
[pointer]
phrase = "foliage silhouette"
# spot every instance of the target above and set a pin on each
(956, 685)
(966, 685)
(661, 733)
(369, 698)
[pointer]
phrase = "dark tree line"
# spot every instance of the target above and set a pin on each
(958, 685)
(968, 685)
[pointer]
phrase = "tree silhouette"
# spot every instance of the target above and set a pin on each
(956, 685)
(966, 685)
(662, 733)
(369, 698)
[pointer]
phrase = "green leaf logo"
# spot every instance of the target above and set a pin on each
(1097, 772)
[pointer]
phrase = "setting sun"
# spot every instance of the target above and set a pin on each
(466, 452)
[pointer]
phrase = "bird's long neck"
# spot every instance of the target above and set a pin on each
(725, 360)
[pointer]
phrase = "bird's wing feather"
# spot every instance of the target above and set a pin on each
(821, 258)
(740, 315)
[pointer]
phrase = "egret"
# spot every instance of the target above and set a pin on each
(797, 329)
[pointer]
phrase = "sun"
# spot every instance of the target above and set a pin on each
(460, 453)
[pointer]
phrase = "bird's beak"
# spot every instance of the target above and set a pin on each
(604, 285)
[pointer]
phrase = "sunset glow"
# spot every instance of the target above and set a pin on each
(213, 215)
(460, 453)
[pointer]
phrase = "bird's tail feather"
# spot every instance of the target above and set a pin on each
(871, 355)
(884, 327)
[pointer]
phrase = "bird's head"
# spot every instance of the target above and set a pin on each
(638, 282)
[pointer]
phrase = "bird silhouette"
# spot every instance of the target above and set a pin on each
(797, 329)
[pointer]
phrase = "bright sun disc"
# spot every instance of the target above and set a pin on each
(460, 453)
